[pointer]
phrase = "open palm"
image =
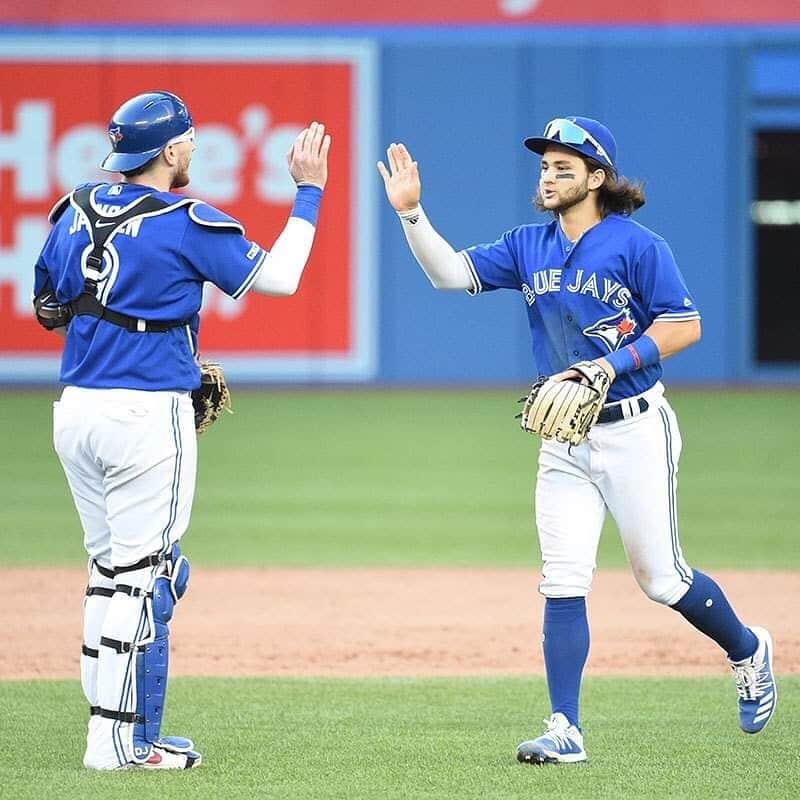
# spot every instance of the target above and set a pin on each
(401, 179)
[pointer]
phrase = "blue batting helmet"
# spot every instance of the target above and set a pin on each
(142, 127)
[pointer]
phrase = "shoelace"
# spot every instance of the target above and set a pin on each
(751, 682)
(557, 731)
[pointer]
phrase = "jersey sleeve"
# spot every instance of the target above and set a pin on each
(495, 265)
(216, 247)
(661, 285)
(41, 275)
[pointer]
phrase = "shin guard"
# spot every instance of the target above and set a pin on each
(99, 591)
(134, 658)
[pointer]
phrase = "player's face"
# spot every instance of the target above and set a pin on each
(183, 152)
(563, 180)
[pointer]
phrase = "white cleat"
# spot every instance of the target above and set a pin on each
(561, 743)
(755, 685)
(170, 752)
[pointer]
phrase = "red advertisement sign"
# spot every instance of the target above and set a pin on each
(429, 12)
(247, 112)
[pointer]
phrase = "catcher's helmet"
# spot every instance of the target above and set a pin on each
(142, 127)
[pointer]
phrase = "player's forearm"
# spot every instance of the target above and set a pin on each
(283, 266)
(672, 337)
(659, 341)
(444, 267)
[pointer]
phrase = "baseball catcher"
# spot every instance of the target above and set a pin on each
(121, 278)
(565, 409)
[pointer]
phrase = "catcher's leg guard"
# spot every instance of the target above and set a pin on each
(133, 663)
(99, 591)
(152, 660)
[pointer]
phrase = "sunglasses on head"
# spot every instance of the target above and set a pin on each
(568, 132)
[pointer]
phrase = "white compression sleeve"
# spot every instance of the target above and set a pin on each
(445, 268)
(283, 266)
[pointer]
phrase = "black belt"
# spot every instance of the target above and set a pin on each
(614, 412)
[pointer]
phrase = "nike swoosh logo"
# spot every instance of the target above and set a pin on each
(103, 224)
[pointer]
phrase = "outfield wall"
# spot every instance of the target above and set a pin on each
(683, 103)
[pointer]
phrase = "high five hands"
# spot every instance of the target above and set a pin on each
(308, 156)
(401, 180)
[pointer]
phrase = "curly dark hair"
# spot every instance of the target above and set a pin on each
(617, 195)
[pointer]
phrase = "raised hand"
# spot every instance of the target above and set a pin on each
(308, 156)
(401, 180)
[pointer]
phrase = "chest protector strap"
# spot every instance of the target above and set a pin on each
(101, 229)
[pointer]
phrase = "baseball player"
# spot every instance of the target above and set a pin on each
(600, 289)
(121, 277)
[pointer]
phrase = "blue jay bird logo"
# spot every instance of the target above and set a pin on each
(613, 330)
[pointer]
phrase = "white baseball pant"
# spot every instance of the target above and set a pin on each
(630, 468)
(130, 458)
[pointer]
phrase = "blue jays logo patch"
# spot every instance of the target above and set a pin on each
(115, 135)
(613, 330)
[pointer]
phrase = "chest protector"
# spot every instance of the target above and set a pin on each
(51, 314)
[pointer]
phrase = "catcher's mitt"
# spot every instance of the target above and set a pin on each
(566, 410)
(210, 397)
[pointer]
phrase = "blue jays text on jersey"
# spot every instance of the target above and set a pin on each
(588, 298)
(154, 268)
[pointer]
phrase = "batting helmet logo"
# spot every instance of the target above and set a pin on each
(115, 135)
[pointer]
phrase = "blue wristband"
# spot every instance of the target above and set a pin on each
(641, 353)
(306, 203)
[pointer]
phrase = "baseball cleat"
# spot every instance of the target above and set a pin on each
(561, 743)
(755, 684)
(170, 752)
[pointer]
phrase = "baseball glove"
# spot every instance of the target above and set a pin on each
(211, 397)
(566, 410)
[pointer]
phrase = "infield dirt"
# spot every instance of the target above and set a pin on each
(357, 622)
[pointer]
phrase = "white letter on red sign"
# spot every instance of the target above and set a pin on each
(25, 150)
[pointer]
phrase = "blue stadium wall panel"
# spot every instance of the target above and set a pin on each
(464, 110)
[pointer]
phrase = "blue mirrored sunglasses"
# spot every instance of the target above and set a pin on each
(569, 132)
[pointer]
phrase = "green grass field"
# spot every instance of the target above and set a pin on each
(414, 478)
(647, 739)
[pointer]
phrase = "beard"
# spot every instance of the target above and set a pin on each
(181, 176)
(576, 195)
(180, 179)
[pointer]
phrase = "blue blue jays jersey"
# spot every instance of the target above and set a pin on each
(588, 298)
(154, 269)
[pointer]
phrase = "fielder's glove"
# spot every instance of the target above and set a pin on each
(566, 410)
(211, 397)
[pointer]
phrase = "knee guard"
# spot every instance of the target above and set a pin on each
(152, 657)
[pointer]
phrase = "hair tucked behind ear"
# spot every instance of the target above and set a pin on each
(617, 195)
